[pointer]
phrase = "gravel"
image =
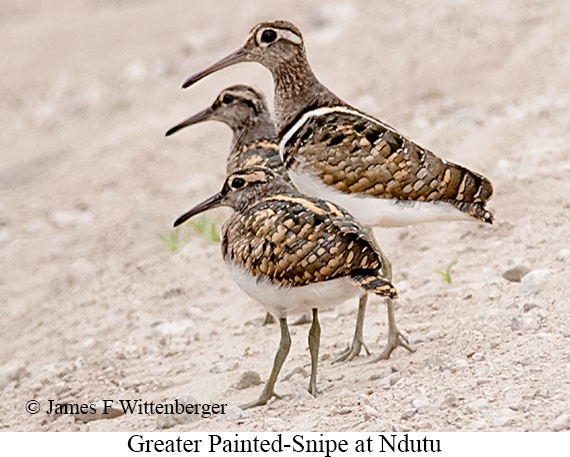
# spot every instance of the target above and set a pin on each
(516, 273)
(249, 379)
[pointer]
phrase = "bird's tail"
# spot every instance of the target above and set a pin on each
(373, 282)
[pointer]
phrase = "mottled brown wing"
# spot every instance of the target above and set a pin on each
(355, 154)
(294, 240)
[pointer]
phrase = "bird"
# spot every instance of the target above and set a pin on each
(244, 109)
(291, 252)
(334, 151)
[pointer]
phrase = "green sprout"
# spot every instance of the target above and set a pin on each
(170, 239)
(206, 227)
(446, 275)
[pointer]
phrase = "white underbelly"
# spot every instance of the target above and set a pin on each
(379, 212)
(282, 301)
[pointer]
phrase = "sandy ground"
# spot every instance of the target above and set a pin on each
(94, 306)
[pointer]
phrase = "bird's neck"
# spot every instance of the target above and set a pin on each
(297, 90)
(253, 130)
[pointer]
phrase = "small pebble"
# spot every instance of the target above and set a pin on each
(173, 329)
(507, 412)
(61, 388)
(526, 361)
(477, 405)
(12, 371)
(303, 395)
(274, 424)
(344, 410)
(79, 362)
(409, 413)
(529, 306)
(295, 371)
(220, 367)
(194, 311)
(296, 378)
(563, 256)
(450, 401)
(534, 282)
(459, 364)
(403, 286)
(390, 380)
(416, 338)
(166, 421)
(423, 405)
(426, 409)
(479, 424)
(517, 404)
(335, 377)
(550, 393)
(434, 335)
(369, 412)
(421, 401)
(490, 313)
(477, 357)
(482, 381)
(110, 413)
(249, 379)
(502, 421)
(516, 273)
(526, 322)
(562, 422)
(424, 426)
(365, 399)
(234, 413)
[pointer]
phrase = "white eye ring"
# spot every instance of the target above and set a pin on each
(281, 34)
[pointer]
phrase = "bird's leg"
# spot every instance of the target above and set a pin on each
(395, 337)
(269, 319)
(280, 356)
(358, 341)
(314, 342)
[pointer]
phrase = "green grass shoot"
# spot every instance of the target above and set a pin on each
(170, 239)
(206, 227)
(446, 275)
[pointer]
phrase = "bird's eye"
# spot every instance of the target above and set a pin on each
(268, 36)
(238, 182)
(228, 99)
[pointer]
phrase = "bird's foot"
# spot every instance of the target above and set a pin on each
(395, 339)
(262, 400)
(352, 351)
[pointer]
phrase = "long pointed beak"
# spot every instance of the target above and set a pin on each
(200, 117)
(212, 202)
(236, 57)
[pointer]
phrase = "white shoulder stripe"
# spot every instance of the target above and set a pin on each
(327, 110)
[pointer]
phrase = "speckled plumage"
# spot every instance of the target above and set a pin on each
(243, 109)
(285, 238)
(333, 151)
(292, 252)
(327, 139)
(355, 155)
